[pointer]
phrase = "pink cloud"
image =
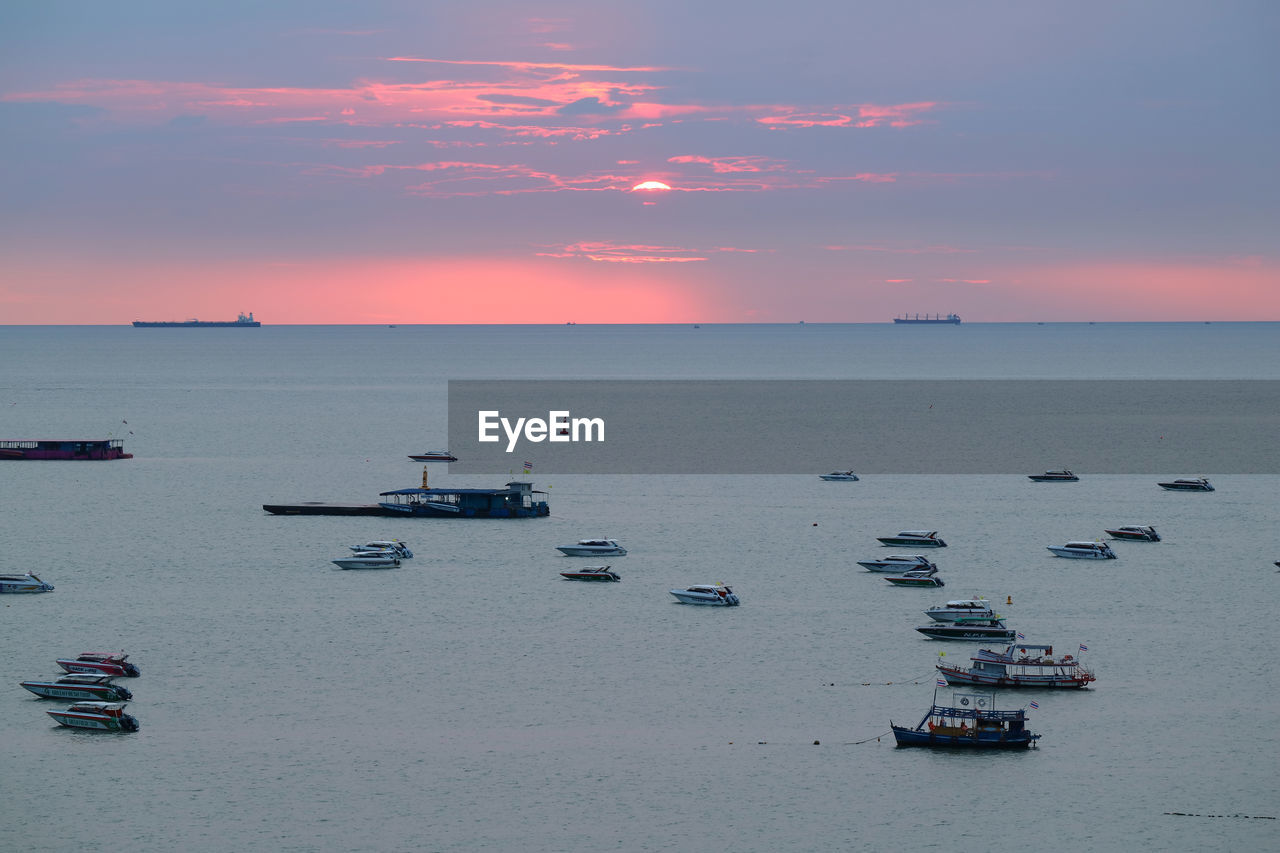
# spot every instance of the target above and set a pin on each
(860, 115)
(623, 253)
(722, 165)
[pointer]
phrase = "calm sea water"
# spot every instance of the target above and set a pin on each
(474, 700)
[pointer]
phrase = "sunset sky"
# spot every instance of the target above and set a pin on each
(482, 162)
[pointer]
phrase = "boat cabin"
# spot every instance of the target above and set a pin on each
(517, 499)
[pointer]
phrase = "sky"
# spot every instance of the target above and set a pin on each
(489, 161)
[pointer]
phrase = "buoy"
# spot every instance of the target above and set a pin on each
(815, 743)
(1008, 599)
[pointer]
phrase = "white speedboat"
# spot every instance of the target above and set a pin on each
(964, 608)
(914, 539)
(900, 563)
(369, 560)
(715, 594)
(23, 583)
(593, 548)
(79, 685)
(1134, 533)
(1082, 550)
(839, 475)
(102, 716)
(395, 546)
(1193, 484)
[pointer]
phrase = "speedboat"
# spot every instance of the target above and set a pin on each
(716, 594)
(79, 685)
(395, 546)
(1082, 550)
(369, 560)
(593, 548)
(899, 563)
(102, 716)
(972, 722)
(1135, 533)
(23, 583)
(914, 539)
(1194, 484)
(970, 629)
(924, 577)
(839, 475)
(1063, 476)
(1020, 665)
(960, 609)
(592, 573)
(434, 456)
(106, 663)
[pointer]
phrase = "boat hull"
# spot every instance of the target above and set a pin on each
(730, 600)
(952, 632)
(571, 551)
(1178, 487)
(911, 737)
(904, 581)
(963, 676)
(367, 564)
(590, 576)
(1079, 555)
(899, 542)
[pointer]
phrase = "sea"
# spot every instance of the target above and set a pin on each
(474, 700)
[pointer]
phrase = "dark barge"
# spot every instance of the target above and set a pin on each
(517, 500)
(110, 448)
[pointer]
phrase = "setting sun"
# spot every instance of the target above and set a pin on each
(650, 185)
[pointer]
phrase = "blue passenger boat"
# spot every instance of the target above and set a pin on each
(973, 723)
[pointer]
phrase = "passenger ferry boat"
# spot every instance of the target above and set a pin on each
(971, 722)
(973, 628)
(517, 500)
(1020, 665)
(59, 448)
(1193, 484)
(100, 716)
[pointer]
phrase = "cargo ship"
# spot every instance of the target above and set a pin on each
(110, 448)
(243, 321)
(953, 319)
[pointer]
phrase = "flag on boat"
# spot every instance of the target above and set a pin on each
(1083, 647)
(942, 682)
(1021, 636)
(1035, 705)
